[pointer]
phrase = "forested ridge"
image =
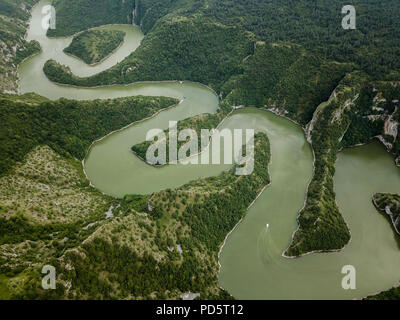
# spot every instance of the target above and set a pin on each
(80, 15)
(314, 25)
(68, 126)
(14, 16)
(389, 204)
(321, 226)
(357, 111)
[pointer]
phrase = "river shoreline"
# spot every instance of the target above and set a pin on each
(116, 131)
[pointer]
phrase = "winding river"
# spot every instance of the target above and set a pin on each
(252, 266)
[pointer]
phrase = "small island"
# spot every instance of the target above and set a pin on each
(94, 46)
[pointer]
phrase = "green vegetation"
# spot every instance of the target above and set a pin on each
(80, 15)
(94, 46)
(30, 49)
(356, 112)
(69, 127)
(132, 255)
(195, 216)
(46, 208)
(321, 226)
(14, 15)
(288, 79)
(392, 294)
(226, 198)
(16, 9)
(376, 115)
(389, 204)
(316, 26)
(206, 52)
(121, 254)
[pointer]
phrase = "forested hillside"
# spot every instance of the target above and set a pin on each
(389, 204)
(139, 253)
(14, 15)
(69, 127)
(316, 25)
(80, 15)
(321, 226)
(206, 52)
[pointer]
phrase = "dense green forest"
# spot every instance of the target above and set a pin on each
(93, 46)
(80, 15)
(15, 8)
(206, 52)
(14, 16)
(314, 25)
(69, 127)
(321, 226)
(392, 294)
(389, 204)
(317, 26)
(287, 78)
(353, 115)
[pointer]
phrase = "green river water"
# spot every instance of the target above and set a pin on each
(252, 266)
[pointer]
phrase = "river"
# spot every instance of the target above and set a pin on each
(252, 266)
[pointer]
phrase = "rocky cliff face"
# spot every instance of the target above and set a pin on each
(385, 107)
(390, 205)
(377, 116)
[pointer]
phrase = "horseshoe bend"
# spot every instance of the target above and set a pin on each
(315, 218)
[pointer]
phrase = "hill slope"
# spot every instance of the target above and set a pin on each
(14, 16)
